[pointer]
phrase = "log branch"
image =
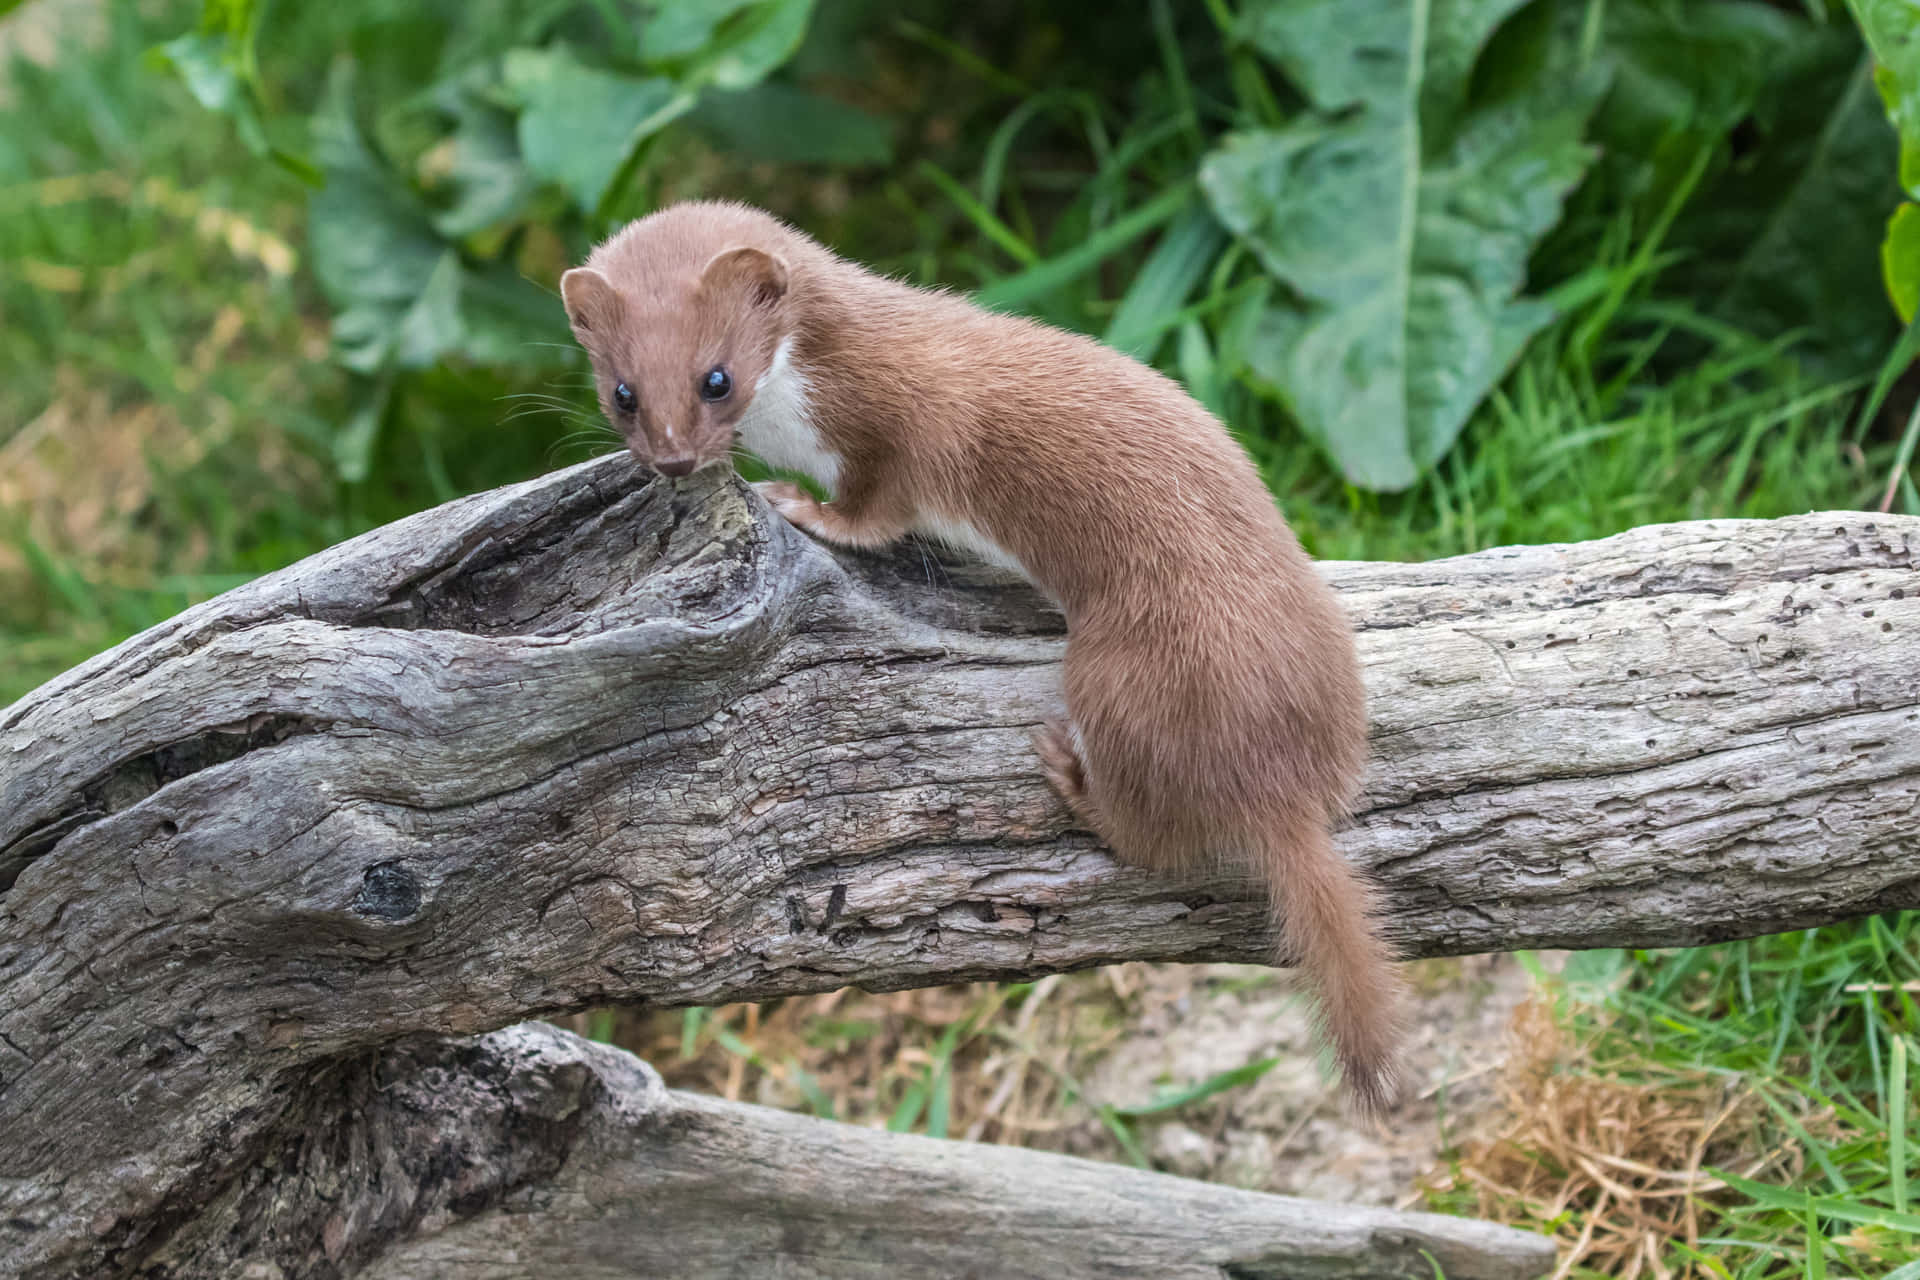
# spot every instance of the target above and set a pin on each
(530, 1153)
(591, 739)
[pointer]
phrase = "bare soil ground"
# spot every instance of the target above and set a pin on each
(1072, 1062)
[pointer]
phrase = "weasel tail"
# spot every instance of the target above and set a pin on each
(1324, 913)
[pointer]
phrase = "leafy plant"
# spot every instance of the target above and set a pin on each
(1780, 161)
(1399, 195)
(219, 65)
(502, 138)
(1351, 217)
(1398, 213)
(1892, 30)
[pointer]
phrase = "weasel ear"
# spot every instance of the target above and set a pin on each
(761, 276)
(592, 305)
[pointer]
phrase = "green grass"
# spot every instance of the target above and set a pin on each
(117, 330)
(1543, 463)
(1819, 1025)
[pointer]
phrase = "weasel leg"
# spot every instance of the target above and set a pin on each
(838, 522)
(1066, 772)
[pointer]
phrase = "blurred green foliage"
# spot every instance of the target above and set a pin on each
(1379, 226)
(1892, 30)
(444, 132)
(1455, 271)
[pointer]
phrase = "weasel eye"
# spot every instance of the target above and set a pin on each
(715, 385)
(624, 399)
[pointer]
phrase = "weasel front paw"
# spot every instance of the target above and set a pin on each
(798, 507)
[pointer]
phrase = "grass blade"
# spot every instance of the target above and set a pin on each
(907, 1114)
(1902, 459)
(1891, 368)
(1897, 1123)
(1123, 1134)
(940, 1098)
(979, 215)
(1163, 283)
(809, 1087)
(1043, 277)
(1218, 1083)
(1846, 1210)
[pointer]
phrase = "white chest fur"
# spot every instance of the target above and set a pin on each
(962, 536)
(778, 427)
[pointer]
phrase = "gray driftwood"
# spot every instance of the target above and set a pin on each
(573, 1160)
(590, 739)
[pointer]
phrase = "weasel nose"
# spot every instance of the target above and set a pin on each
(673, 466)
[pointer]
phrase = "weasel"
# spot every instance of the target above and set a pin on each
(1213, 695)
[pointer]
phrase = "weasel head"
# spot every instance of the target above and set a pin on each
(680, 337)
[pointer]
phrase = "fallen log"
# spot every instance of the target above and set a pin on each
(571, 1159)
(591, 739)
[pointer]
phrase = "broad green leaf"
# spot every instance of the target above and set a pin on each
(786, 125)
(506, 319)
(1892, 30)
(1684, 73)
(217, 69)
(403, 298)
(373, 247)
(241, 20)
(491, 317)
(1347, 52)
(1342, 52)
(580, 124)
(1903, 113)
(431, 326)
(1692, 68)
(1900, 260)
(680, 28)
(1780, 242)
(1405, 256)
(1457, 34)
(202, 63)
(729, 44)
(353, 445)
(766, 37)
(485, 183)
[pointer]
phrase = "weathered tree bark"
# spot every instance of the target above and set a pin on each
(589, 740)
(573, 1160)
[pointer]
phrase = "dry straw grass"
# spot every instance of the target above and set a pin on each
(1615, 1167)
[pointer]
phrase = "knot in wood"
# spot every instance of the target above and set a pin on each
(388, 891)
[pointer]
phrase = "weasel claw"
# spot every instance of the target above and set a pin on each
(795, 504)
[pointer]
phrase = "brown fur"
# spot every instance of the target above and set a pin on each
(1209, 670)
